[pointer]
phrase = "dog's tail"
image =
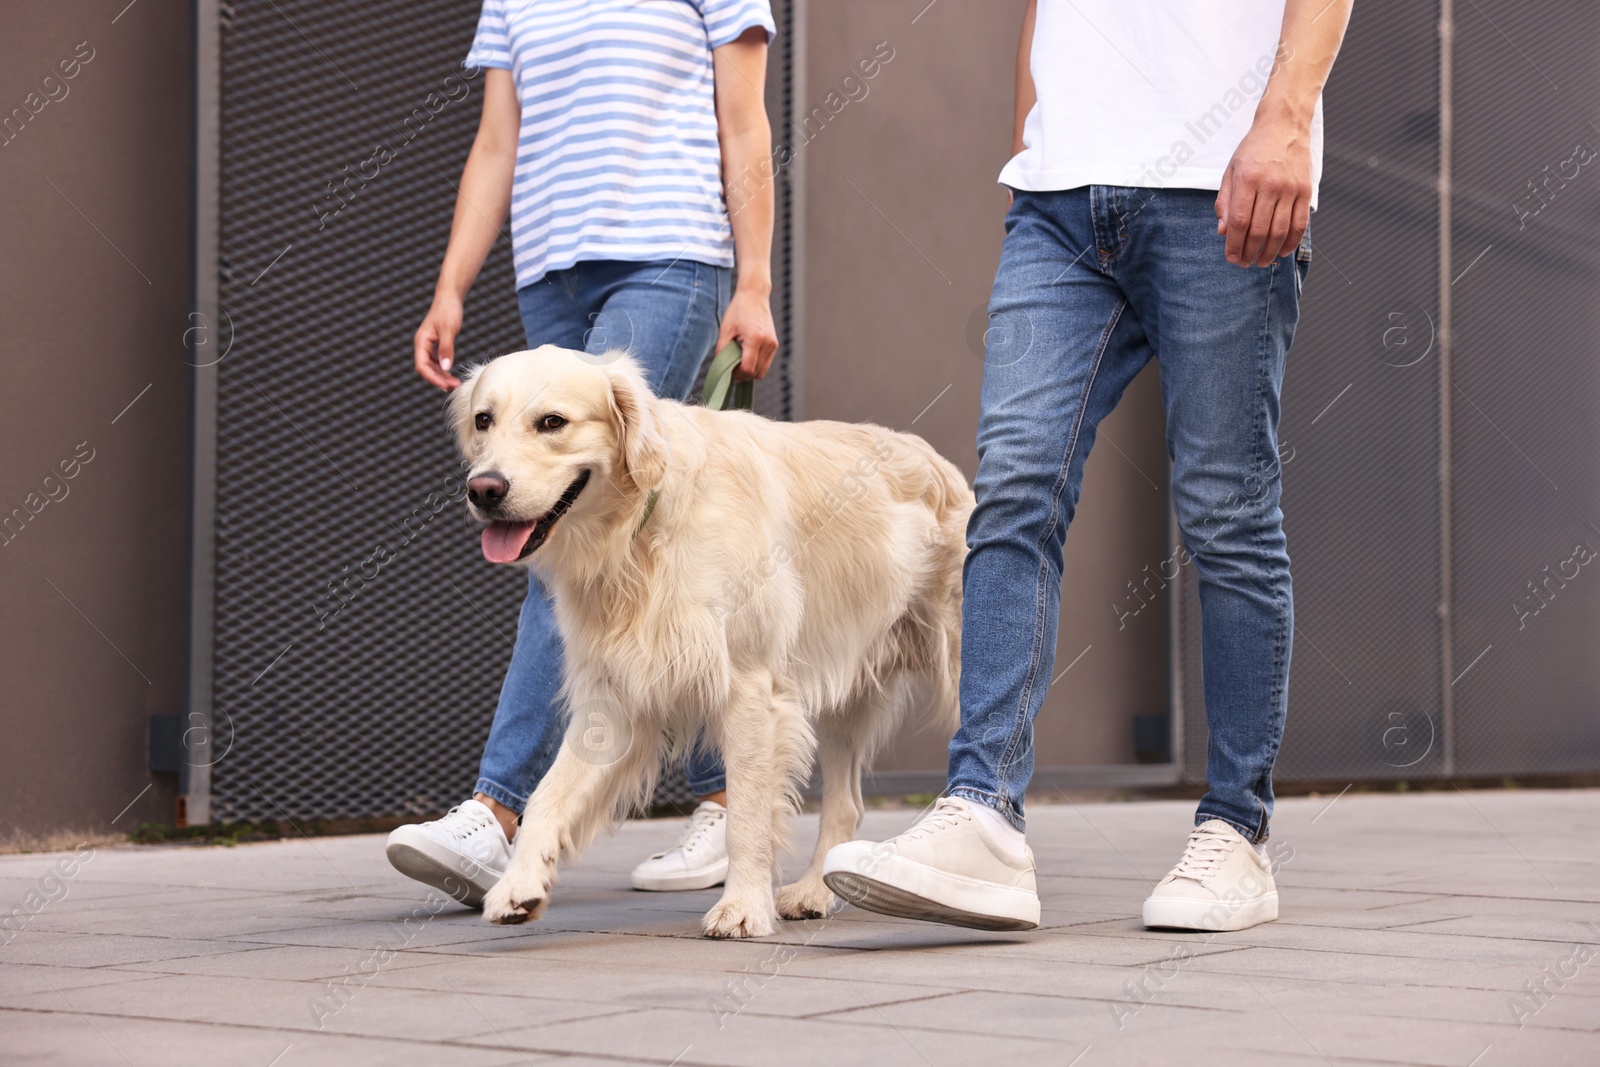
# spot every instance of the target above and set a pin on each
(943, 490)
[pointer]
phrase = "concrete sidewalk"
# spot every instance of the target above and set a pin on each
(1414, 927)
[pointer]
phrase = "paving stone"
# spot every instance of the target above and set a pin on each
(112, 1041)
(697, 1038)
(1410, 925)
(104, 950)
(282, 962)
(768, 990)
(371, 1008)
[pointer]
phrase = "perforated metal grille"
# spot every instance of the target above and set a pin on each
(1368, 688)
(359, 639)
(1527, 389)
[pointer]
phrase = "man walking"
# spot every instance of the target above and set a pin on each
(1165, 164)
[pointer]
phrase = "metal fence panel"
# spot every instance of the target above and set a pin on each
(359, 640)
(1373, 693)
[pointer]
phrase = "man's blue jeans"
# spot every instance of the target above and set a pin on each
(1093, 283)
(667, 315)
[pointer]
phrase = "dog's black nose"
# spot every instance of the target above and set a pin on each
(487, 490)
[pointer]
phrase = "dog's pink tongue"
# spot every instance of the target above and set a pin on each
(503, 541)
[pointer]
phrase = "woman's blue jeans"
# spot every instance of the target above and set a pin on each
(667, 316)
(1093, 283)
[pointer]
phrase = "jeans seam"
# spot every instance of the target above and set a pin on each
(683, 330)
(1264, 357)
(1041, 606)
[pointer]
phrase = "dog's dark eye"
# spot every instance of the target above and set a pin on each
(552, 422)
(482, 420)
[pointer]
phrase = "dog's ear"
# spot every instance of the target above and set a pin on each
(458, 409)
(644, 448)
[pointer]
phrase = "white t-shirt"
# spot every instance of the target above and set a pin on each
(1153, 93)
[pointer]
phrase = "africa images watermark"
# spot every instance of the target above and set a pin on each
(738, 591)
(344, 189)
(338, 993)
(1157, 976)
(1542, 589)
(55, 489)
(53, 886)
(342, 590)
(1537, 992)
(1255, 485)
(852, 88)
(1239, 97)
(1541, 190)
(53, 89)
(741, 989)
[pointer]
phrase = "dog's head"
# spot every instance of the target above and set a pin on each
(552, 431)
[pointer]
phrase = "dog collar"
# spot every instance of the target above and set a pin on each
(721, 393)
(649, 509)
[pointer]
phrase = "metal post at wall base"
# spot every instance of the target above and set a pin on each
(1447, 724)
(194, 774)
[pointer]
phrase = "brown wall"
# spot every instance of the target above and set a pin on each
(902, 233)
(94, 289)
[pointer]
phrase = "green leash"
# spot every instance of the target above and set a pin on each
(721, 393)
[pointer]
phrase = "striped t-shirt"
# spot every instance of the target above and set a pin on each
(618, 156)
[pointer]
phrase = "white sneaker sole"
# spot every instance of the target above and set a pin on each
(1177, 913)
(681, 881)
(421, 858)
(910, 890)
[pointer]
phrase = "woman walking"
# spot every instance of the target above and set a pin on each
(614, 134)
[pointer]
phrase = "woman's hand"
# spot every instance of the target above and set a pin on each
(434, 346)
(748, 320)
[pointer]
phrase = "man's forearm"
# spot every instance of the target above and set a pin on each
(1308, 43)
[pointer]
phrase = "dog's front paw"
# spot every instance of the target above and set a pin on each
(733, 917)
(513, 901)
(805, 900)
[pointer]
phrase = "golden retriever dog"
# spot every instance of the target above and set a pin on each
(790, 589)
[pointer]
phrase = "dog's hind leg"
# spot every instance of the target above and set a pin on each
(581, 793)
(766, 746)
(840, 756)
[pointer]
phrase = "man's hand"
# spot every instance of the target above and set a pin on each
(748, 320)
(434, 346)
(1264, 204)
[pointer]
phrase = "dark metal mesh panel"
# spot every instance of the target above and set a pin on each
(1360, 476)
(376, 700)
(1368, 695)
(1527, 389)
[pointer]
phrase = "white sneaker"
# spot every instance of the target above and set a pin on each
(464, 854)
(948, 868)
(698, 861)
(1221, 883)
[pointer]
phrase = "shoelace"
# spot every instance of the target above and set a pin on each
(700, 824)
(462, 824)
(946, 813)
(1204, 853)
